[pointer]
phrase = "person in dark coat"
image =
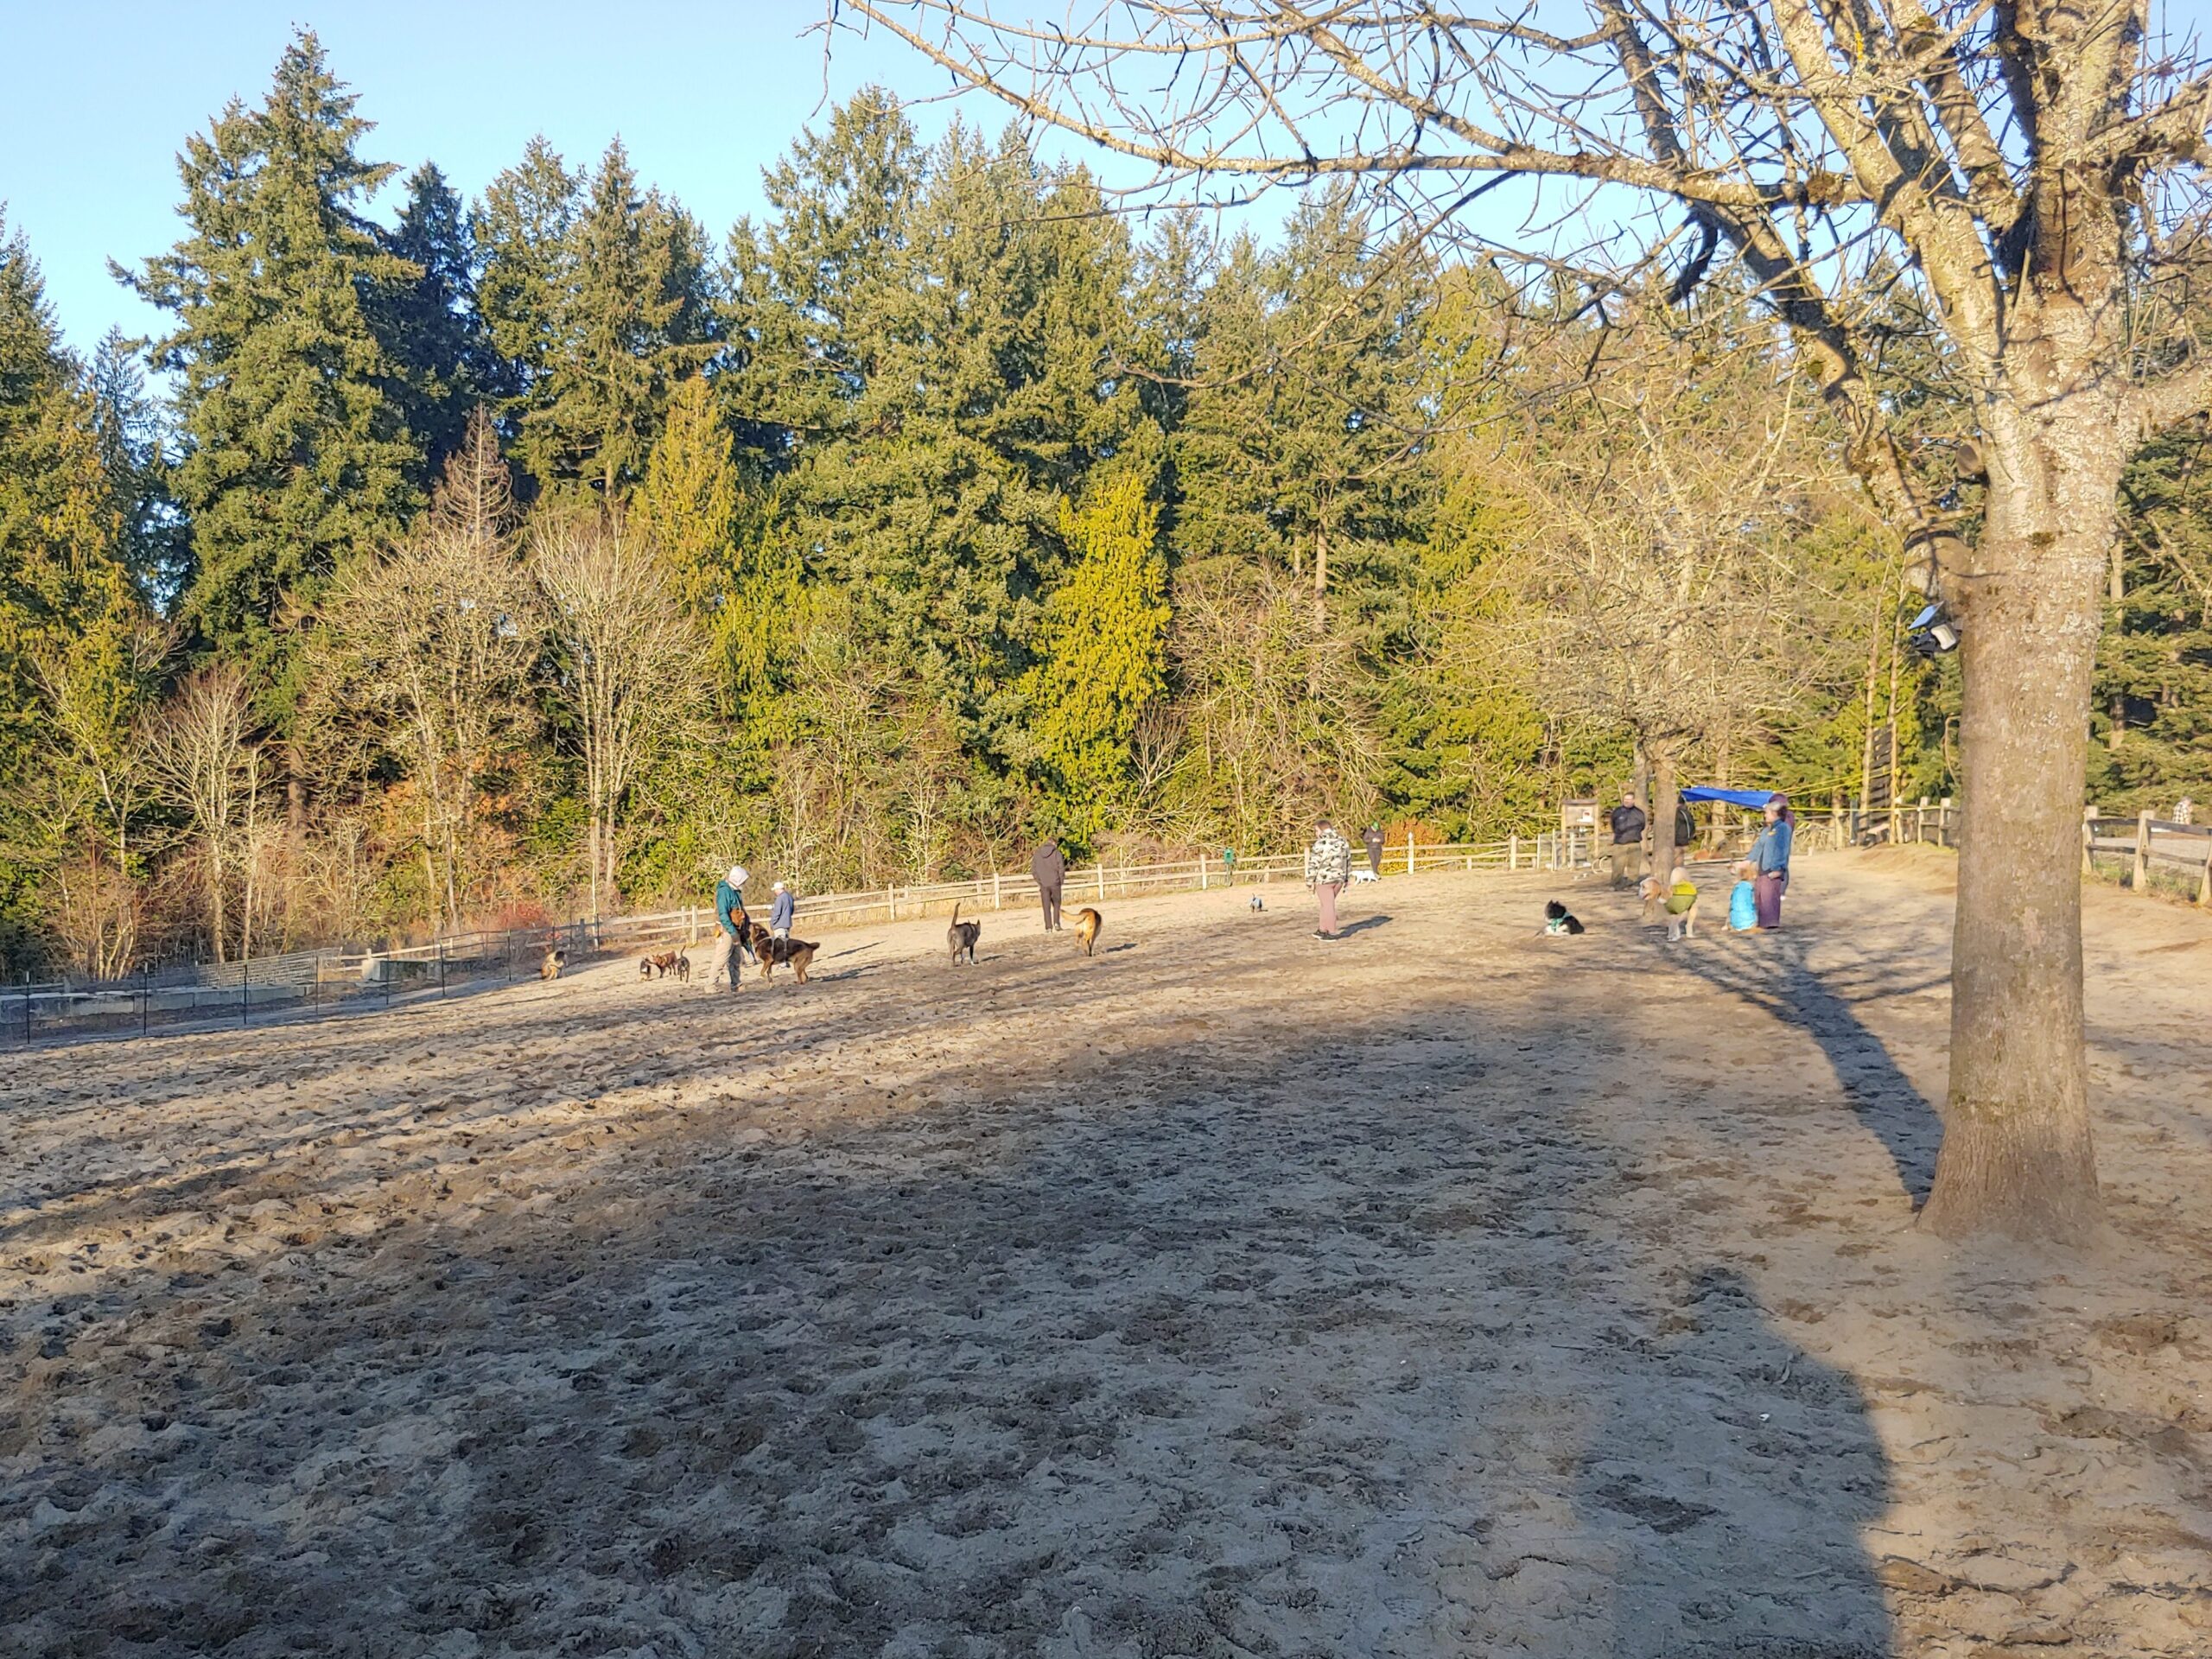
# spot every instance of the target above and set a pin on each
(1628, 821)
(1048, 868)
(1373, 840)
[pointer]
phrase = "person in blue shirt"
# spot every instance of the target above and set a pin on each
(1769, 861)
(1742, 901)
(781, 908)
(732, 924)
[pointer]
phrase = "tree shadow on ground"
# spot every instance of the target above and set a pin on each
(1770, 971)
(1323, 1346)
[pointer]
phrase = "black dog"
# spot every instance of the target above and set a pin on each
(1556, 920)
(962, 936)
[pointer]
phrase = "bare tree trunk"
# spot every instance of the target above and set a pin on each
(1897, 665)
(1320, 581)
(2116, 710)
(1663, 799)
(593, 854)
(2016, 1155)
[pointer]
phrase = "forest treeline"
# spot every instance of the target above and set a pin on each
(542, 553)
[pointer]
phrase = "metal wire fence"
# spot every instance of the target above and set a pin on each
(327, 983)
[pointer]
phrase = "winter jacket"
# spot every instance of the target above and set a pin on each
(1628, 825)
(1047, 866)
(730, 908)
(1770, 852)
(1328, 860)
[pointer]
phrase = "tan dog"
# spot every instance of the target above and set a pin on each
(662, 964)
(1087, 924)
(556, 960)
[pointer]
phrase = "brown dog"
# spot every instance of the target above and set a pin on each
(662, 964)
(1087, 924)
(556, 960)
(797, 952)
(962, 936)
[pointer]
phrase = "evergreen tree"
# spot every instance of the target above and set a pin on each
(522, 229)
(810, 289)
(295, 452)
(431, 323)
(1103, 654)
(134, 448)
(76, 645)
(634, 315)
(2154, 667)
(721, 541)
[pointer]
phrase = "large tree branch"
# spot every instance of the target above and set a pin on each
(1488, 152)
(2172, 398)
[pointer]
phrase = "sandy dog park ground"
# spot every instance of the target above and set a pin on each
(1443, 1290)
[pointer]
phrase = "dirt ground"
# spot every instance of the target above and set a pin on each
(1443, 1290)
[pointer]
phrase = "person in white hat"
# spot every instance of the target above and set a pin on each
(733, 925)
(781, 908)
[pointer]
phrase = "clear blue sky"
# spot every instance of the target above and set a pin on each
(98, 98)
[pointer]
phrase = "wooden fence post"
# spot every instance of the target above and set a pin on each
(1920, 820)
(995, 890)
(2205, 881)
(1102, 880)
(891, 900)
(2142, 850)
(1201, 871)
(1409, 852)
(2088, 839)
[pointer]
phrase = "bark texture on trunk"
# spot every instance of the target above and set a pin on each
(1664, 797)
(2017, 1156)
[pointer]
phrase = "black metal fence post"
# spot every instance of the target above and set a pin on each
(244, 968)
(146, 999)
(441, 967)
(27, 1009)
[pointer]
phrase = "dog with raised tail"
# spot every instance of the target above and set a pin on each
(1087, 924)
(798, 953)
(962, 936)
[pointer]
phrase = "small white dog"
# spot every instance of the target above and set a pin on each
(1358, 876)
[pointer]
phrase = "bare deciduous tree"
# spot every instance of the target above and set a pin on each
(1647, 557)
(209, 770)
(2036, 167)
(431, 645)
(630, 665)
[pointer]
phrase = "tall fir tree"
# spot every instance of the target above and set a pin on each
(521, 228)
(296, 454)
(634, 315)
(432, 324)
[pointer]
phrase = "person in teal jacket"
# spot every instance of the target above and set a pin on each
(1770, 860)
(732, 924)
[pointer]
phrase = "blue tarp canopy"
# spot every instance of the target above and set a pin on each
(1750, 798)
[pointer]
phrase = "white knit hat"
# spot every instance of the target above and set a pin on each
(738, 875)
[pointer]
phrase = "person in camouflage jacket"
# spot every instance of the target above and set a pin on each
(1328, 867)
